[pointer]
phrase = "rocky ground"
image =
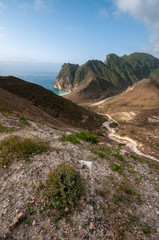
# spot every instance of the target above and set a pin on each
(143, 127)
(121, 200)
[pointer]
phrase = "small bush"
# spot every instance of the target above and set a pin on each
(65, 187)
(14, 147)
(74, 138)
(100, 154)
(115, 167)
(87, 137)
(70, 138)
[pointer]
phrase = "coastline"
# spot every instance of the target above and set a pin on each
(62, 94)
(59, 92)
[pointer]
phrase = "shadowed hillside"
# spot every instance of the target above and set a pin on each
(143, 95)
(56, 106)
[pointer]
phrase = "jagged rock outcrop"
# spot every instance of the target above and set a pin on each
(64, 81)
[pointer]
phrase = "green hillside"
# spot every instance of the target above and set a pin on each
(66, 74)
(142, 64)
(108, 78)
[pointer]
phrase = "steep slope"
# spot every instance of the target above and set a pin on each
(121, 197)
(143, 95)
(97, 80)
(142, 64)
(65, 78)
(54, 105)
(137, 112)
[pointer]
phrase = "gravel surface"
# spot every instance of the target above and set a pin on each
(121, 200)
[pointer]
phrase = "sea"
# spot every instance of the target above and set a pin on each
(45, 80)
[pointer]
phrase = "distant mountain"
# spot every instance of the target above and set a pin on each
(66, 76)
(51, 105)
(97, 80)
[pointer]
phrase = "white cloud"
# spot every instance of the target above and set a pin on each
(146, 11)
(103, 13)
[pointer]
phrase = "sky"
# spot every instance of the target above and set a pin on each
(58, 31)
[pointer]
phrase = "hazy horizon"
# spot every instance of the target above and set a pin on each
(58, 31)
(22, 68)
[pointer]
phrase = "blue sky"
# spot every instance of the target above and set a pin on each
(75, 31)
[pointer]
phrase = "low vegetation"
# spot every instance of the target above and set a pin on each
(83, 135)
(14, 147)
(24, 118)
(4, 129)
(5, 110)
(65, 188)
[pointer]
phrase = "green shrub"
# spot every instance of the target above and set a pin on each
(14, 147)
(74, 138)
(87, 137)
(115, 167)
(70, 138)
(100, 154)
(65, 187)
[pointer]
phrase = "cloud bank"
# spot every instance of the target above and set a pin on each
(146, 11)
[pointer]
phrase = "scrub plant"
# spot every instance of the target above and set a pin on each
(83, 135)
(4, 129)
(14, 147)
(64, 188)
(24, 118)
(5, 110)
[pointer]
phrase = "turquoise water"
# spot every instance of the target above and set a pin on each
(43, 80)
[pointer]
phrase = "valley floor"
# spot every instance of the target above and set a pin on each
(122, 189)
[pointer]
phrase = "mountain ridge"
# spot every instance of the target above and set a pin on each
(96, 79)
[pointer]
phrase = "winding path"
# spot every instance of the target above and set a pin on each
(128, 141)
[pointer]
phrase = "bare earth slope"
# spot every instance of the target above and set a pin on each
(143, 95)
(19, 105)
(54, 106)
(137, 111)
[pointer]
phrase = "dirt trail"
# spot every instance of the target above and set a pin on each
(104, 100)
(126, 140)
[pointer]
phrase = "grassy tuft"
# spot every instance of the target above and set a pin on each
(115, 167)
(5, 129)
(14, 147)
(70, 138)
(146, 228)
(83, 135)
(87, 137)
(100, 154)
(65, 187)
(4, 110)
(24, 118)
